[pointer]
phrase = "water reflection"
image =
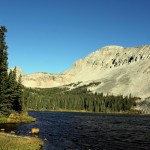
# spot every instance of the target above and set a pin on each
(8, 127)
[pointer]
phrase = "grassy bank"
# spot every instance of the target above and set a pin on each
(13, 142)
(17, 118)
(132, 111)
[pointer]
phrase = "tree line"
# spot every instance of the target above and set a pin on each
(10, 87)
(76, 99)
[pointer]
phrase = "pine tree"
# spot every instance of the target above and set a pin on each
(14, 91)
(18, 103)
(4, 103)
(10, 88)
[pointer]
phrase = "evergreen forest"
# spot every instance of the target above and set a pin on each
(10, 86)
(79, 99)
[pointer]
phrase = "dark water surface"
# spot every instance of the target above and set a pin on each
(90, 131)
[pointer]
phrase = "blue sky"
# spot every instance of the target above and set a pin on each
(50, 35)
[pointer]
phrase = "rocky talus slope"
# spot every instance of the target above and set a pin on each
(144, 106)
(118, 70)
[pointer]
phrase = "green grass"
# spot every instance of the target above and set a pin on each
(17, 118)
(13, 142)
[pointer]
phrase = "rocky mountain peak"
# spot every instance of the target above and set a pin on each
(111, 57)
(111, 47)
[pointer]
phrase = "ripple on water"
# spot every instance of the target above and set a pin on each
(84, 131)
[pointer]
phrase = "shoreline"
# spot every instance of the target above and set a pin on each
(12, 141)
(16, 118)
(9, 140)
(131, 112)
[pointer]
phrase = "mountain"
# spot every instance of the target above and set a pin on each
(120, 70)
(116, 69)
(45, 80)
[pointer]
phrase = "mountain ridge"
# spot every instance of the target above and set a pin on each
(120, 71)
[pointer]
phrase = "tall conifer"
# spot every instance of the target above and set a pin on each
(18, 103)
(4, 104)
(10, 88)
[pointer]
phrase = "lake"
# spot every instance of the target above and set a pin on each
(90, 131)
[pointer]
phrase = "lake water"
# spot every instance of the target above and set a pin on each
(90, 131)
